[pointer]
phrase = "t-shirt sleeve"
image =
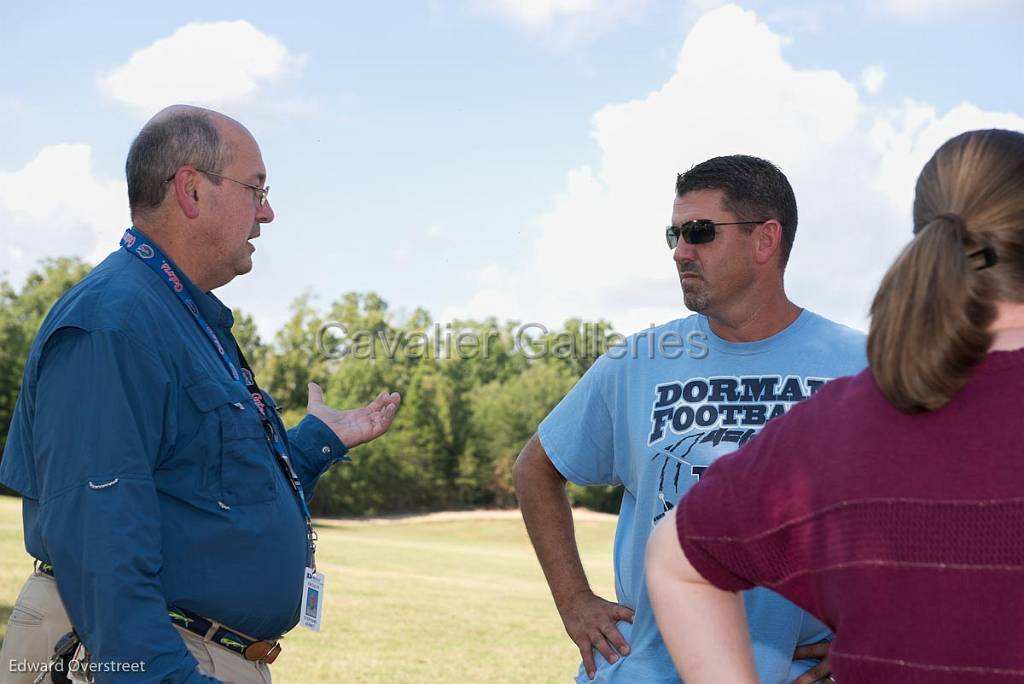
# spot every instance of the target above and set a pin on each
(743, 524)
(578, 434)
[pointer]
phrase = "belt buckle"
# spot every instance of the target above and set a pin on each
(262, 651)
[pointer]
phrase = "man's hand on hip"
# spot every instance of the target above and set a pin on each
(819, 672)
(591, 621)
(356, 426)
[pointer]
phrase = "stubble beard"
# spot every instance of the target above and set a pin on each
(696, 300)
(696, 303)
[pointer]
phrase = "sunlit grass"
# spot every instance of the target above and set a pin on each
(415, 601)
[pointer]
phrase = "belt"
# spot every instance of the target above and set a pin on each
(213, 631)
(251, 649)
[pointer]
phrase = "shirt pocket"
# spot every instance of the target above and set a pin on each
(240, 466)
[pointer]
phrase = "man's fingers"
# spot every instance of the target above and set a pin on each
(591, 622)
(618, 641)
(819, 671)
(587, 654)
(316, 395)
(818, 650)
(602, 645)
(815, 674)
(378, 402)
(391, 402)
(387, 414)
(383, 417)
(384, 400)
(621, 612)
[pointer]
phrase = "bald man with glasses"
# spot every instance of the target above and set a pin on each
(654, 413)
(164, 501)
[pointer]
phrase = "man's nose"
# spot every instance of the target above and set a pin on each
(265, 213)
(684, 252)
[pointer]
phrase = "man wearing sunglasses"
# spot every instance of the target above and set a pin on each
(164, 500)
(653, 416)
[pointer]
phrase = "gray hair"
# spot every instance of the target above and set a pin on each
(163, 146)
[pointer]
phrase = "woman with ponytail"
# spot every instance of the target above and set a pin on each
(891, 504)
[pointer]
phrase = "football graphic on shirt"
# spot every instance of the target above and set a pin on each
(699, 419)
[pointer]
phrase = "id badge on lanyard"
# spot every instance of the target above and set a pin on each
(154, 258)
(312, 600)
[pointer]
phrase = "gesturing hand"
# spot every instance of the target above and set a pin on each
(355, 426)
(591, 621)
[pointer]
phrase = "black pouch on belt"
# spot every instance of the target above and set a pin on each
(60, 662)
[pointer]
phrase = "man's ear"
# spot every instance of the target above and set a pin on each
(186, 192)
(767, 241)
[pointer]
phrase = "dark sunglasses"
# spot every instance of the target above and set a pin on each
(699, 231)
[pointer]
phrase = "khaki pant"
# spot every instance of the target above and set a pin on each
(36, 623)
(39, 620)
(227, 666)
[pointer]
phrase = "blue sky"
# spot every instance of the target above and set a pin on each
(491, 157)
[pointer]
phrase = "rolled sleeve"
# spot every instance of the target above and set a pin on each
(101, 410)
(313, 449)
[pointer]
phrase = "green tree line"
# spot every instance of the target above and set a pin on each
(472, 391)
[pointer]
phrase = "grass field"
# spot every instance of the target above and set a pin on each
(423, 600)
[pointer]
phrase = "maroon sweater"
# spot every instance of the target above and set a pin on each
(903, 533)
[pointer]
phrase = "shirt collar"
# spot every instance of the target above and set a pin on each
(757, 346)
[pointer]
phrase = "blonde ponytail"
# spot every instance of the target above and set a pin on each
(929, 320)
(931, 315)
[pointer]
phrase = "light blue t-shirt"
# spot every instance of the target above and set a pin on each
(652, 415)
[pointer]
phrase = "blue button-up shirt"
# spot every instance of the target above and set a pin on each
(146, 475)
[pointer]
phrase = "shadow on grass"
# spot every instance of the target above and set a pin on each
(5, 612)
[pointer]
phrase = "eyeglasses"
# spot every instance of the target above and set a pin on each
(699, 231)
(261, 193)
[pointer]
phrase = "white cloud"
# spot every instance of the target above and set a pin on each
(564, 22)
(797, 16)
(872, 78)
(213, 64)
(904, 139)
(853, 169)
(56, 206)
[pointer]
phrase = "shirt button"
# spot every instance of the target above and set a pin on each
(326, 450)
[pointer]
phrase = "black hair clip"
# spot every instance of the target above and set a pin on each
(990, 257)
